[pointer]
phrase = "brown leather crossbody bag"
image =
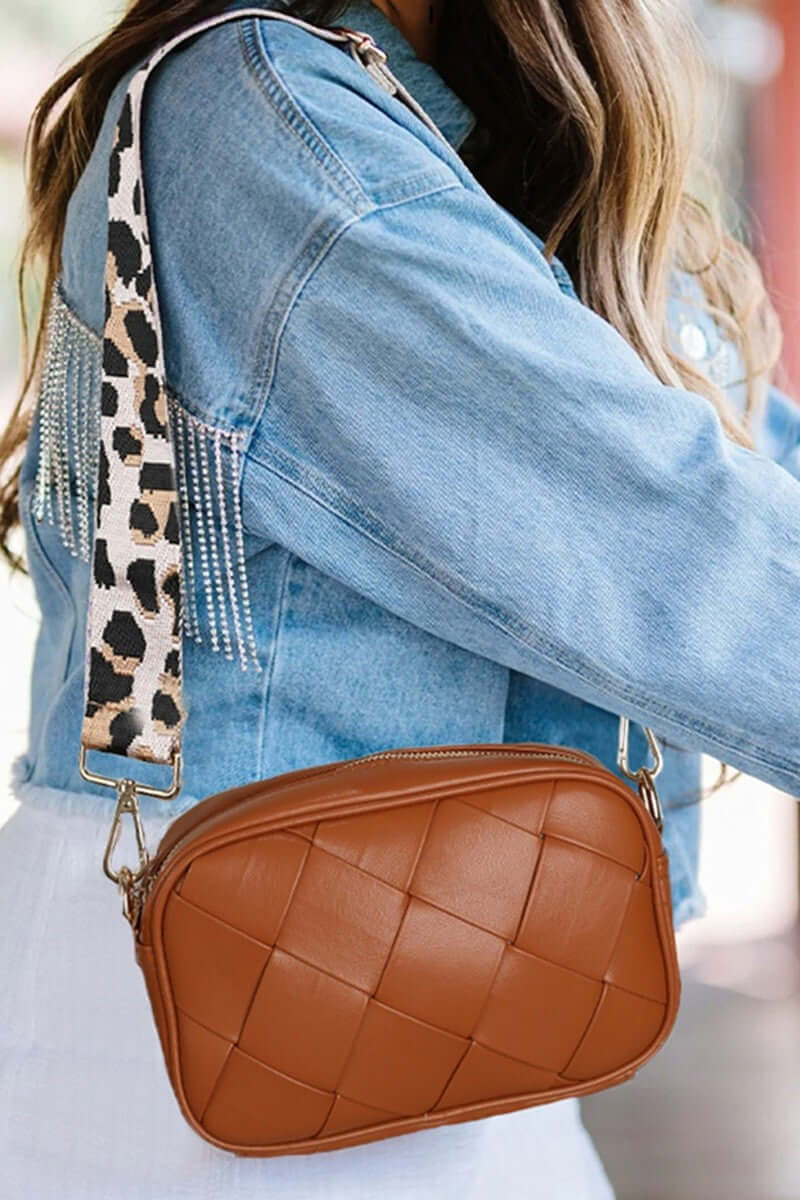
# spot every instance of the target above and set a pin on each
(363, 948)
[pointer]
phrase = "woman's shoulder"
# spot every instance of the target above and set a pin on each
(260, 142)
(268, 100)
(354, 129)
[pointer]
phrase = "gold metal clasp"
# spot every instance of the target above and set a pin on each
(127, 805)
(128, 792)
(643, 776)
(143, 789)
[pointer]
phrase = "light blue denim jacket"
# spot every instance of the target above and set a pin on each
(433, 497)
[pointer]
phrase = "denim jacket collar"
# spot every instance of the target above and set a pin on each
(455, 119)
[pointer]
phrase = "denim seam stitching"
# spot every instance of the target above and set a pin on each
(209, 427)
(267, 374)
(175, 393)
(328, 496)
(270, 83)
(412, 187)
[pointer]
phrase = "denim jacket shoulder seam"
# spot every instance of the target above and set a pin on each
(325, 493)
(262, 385)
(193, 411)
(413, 187)
(175, 395)
(283, 102)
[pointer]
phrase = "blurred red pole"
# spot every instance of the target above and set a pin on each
(776, 190)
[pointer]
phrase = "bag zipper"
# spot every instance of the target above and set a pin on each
(148, 880)
(577, 757)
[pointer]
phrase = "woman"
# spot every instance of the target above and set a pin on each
(437, 485)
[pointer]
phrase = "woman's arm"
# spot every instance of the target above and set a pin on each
(449, 433)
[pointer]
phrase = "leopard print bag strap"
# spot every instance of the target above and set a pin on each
(133, 667)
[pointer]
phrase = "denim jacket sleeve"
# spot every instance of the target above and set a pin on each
(450, 433)
(433, 420)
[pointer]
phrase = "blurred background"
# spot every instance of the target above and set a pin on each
(715, 1115)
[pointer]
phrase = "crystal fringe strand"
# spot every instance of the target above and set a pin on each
(216, 601)
(69, 415)
(217, 598)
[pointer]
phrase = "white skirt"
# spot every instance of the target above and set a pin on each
(86, 1110)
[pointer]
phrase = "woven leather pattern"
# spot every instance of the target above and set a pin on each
(414, 961)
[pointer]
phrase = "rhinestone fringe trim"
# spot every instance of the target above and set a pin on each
(216, 602)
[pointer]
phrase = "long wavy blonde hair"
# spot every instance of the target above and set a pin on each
(595, 106)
